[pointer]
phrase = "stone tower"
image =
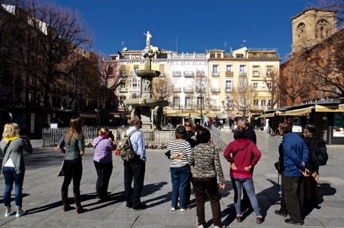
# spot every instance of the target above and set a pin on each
(311, 27)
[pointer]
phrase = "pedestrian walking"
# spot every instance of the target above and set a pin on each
(13, 168)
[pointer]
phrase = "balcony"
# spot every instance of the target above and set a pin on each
(188, 74)
(215, 90)
(215, 74)
(228, 90)
(242, 74)
(177, 73)
(215, 107)
(255, 74)
(188, 90)
(229, 73)
(188, 106)
(177, 89)
(200, 73)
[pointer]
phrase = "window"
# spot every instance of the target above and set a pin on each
(216, 84)
(176, 102)
(269, 102)
(268, 70)
(255, 102)
(239, 56)
(134, 95)
(136, 67)
(187, 102)
(212, 56)
(215, 69)
(228, 68)
(135, 83)
(228, 86)
(262, 102)
(255, 86)
(242, 84)
(256, 71)
(269, 85)
(242, 69)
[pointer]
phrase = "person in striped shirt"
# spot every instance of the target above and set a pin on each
(179, 152)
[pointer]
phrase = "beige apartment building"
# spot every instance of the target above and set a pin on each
(213, 84)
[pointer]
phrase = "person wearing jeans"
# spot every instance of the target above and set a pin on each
(243, 155)
(179, 151)
(13, 167)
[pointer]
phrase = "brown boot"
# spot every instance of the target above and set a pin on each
(79, 208)
(65, 204)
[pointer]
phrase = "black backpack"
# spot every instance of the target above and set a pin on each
(319, 151)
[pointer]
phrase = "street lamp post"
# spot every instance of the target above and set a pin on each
(229, 104)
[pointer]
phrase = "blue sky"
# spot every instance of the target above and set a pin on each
(190, 25)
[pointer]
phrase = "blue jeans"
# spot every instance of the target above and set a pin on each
(180, 178)
(11, 176)
(247, 183)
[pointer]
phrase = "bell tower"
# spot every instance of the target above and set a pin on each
(311, 27)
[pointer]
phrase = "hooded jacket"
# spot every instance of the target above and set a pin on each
(243, 153)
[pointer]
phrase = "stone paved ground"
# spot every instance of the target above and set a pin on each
(42, 193)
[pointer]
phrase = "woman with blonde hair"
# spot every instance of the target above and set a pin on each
(73, 146)
(13, 168)
(103, 146)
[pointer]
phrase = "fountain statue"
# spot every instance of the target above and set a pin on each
(149, 109)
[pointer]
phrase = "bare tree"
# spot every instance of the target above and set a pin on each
(243, 96)
(334, 5)
(161, 88)
(57, 42)
(273, 83)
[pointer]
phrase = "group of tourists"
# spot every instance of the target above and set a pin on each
(194, 159)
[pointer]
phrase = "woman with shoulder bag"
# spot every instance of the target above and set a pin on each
(103, 146)
(73, 146)
(13, 167)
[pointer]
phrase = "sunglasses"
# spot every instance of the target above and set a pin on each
(187, 125)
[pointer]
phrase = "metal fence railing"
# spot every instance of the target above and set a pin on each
(153, 139)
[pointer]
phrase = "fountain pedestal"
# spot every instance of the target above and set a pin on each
(149, 109)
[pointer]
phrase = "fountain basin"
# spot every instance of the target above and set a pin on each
(145, 102)
(148, 73)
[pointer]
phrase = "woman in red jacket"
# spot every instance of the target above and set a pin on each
(243, 155)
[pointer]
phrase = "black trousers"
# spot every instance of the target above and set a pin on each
(294, 196)
(73, 171)
(104, 171)
(134, 170)
(202, 186)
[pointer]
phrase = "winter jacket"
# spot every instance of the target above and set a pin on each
(295, 152)
(243, 153)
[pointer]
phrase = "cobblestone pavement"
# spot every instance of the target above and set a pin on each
(42, 193)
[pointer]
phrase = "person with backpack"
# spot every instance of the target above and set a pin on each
(317, 156)
(134, 169)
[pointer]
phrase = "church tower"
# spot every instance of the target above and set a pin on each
(311, 27)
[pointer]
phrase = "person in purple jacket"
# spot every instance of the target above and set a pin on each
(243, 155)
(103, 146)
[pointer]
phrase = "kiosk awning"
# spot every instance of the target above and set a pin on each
(298, 112)
(328, 108)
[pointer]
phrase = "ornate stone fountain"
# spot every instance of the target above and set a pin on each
(145, 106)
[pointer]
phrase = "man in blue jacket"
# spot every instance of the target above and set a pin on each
(295, 157)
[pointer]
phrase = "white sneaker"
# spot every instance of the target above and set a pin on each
(8, 213)
(182, 209)
(20, 213)
(173, 208)
(200, 226)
